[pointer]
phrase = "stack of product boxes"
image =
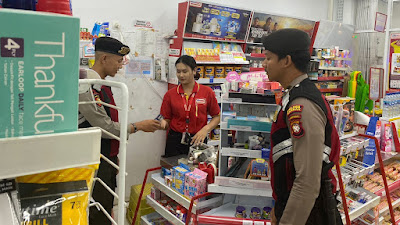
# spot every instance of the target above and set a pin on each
(188, 183)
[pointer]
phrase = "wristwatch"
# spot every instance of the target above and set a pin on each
(134, 128)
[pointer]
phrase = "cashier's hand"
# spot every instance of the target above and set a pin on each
(273, 218)
(148, 125)
(200, 136)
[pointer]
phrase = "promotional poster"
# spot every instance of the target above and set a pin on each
(215, 22)
(394, 60)
(264, 24)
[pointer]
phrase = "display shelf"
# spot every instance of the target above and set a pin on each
(225, 214)
(163, 211)
(214, 188)
(43, 153)
(252, 43)
(355, 169)
(330, 78)
(256, 69)
(211, 81)
(332, 58)
(255, 55)
(386, 156)
(394, 186)
(353, 134)
(386, 209)
(331, 90)
(363, 209)
(159, 183)
(239, 152)
(333, 68)
(145, 220)
(213, 142)
(238, 101)
(224, 63)
(224, 126)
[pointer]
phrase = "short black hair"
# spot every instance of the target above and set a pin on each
(269, 18)
(256, 18)
(190, 62)
(300, 59)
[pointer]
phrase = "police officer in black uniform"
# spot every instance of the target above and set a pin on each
(304, 142)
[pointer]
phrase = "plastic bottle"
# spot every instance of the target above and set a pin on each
(55, 6)
(385, 110)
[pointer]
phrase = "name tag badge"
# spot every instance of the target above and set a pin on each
(278, 109)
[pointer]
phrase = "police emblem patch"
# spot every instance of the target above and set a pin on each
(97, 98)
(296, 129)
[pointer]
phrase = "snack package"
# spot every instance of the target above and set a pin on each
(195, 183)
(9, 204)
(178, 177)
(64, 203)
(86, 173)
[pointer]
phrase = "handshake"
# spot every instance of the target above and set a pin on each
(152, 125)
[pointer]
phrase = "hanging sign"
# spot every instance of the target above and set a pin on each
(380, 22)
(394, 60)
(376, 83)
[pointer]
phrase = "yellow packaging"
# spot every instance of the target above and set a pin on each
(210, 71)
(219, 71)
(228, 69)
(200, 70)
(238, 70)
(73, 174)
(63, 203)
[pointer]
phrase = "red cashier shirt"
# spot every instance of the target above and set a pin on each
(204, 103)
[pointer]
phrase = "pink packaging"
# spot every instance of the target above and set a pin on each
(195, 183)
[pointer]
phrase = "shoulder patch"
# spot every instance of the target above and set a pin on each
(97, 98)
(294, 108)
(296, 128)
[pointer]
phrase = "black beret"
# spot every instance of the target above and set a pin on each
(111, 45)
(287, 41)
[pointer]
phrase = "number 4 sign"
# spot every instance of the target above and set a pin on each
(12, 47)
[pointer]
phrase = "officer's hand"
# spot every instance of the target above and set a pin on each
(273, 218)
(148, 125)
(200, 136)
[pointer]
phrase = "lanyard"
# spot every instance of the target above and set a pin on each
(187, 108)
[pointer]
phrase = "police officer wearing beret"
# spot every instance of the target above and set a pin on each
(304, 142)
(109, 54)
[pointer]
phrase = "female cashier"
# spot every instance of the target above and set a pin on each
(185, 109)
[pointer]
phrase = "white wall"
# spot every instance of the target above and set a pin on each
(144, 150)
(396, 15)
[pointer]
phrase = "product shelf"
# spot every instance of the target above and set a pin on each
(386, 209)
(330, 78)
(240, 152)
(163, 211)
(238, 101)
(332, 58)
(224, 126)
(211, 81)
(43, 153)
(353, 134)
(225, 215)
(256, 69)
(363, 209)
(214, 188)
(159, 183)
(145, 220)
(394, 186)
(213, 142)
(331, 90)
(224, 63)
(255, 55)
(333, 68)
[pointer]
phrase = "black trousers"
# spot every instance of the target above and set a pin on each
(106, 173)
(174, 146)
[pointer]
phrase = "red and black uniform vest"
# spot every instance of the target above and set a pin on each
(109, 147)
(281, 157)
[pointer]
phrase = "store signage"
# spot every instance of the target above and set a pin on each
(394, 59)
(214, 22)
(380, 22)
(254, 76)
(264, 24)
(376, 83)
(374, 129)
(143, 23)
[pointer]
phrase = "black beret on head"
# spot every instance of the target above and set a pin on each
(287, 41)
(111, 45)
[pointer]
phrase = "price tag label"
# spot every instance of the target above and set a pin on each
(259, 223)
(247, 222)
(7, 186)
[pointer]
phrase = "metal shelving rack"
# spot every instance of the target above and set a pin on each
(68, 150)
(123, 120)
